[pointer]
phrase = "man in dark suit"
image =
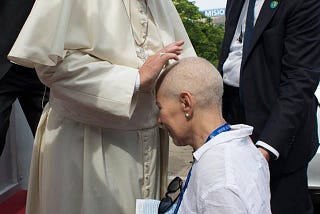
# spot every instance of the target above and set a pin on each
(270, 65)
(16, 81)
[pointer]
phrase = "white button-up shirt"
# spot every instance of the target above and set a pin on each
(231, 67)
(229, 176)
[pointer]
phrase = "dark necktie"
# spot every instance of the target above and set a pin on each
(249, 27)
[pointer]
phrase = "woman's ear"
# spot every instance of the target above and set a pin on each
(186, 101)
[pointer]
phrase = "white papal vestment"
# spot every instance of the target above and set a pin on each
(97, 144)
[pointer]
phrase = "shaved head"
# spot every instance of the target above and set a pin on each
(195, 75)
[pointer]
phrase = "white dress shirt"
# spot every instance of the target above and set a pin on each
(231, 67)
(229, 176)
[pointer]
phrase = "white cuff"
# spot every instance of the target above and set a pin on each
(269, 148)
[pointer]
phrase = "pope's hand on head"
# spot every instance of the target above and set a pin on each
(152, 67)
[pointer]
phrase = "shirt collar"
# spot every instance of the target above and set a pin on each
(237, 131)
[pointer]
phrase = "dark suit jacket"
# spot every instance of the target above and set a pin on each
(279, 76)
(13, 14)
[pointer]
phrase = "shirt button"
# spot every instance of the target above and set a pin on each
(147, 167)
(147, 180)
(146, 192)
(147, 148)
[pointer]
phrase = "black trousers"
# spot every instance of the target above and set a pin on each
(290, 194)
(232, 108)
(23, 84)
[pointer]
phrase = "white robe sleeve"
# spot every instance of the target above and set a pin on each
(87, 87)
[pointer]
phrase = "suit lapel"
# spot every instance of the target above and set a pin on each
(263, 20)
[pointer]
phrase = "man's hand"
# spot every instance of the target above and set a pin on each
(265, 153)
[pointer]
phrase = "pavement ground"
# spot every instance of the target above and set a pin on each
(180, 158)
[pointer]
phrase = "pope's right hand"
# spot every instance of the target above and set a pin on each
(152, 67)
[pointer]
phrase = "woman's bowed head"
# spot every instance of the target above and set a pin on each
(189, 97)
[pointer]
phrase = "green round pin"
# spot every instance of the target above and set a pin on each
(274, 4)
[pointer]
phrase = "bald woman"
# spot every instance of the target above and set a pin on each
(229, 174)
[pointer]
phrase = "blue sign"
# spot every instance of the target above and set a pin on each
(214, 12)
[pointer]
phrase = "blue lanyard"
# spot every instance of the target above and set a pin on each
(223, 128)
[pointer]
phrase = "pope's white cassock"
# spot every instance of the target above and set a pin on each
(97, 146)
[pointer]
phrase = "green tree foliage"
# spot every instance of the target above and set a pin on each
(205, 36)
